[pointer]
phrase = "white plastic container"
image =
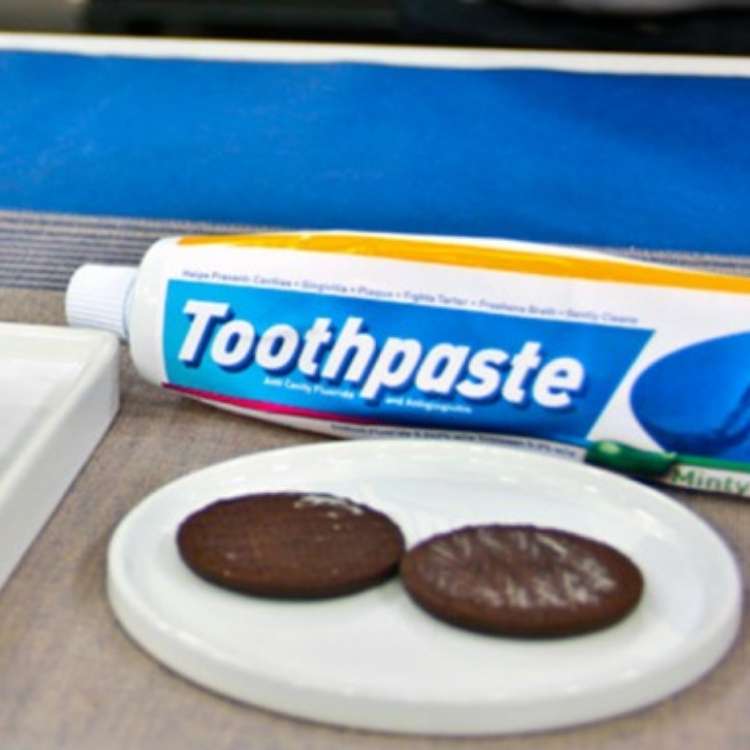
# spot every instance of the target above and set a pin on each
(630, 365)
(58, 396)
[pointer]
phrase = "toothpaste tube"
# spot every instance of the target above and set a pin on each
(630, 365)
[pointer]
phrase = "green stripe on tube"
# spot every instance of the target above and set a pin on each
(624, 458)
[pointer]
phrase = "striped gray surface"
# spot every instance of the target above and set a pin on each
(41, 251)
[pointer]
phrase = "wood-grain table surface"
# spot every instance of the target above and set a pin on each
(71, 679)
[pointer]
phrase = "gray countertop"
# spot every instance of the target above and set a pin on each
(70, 677)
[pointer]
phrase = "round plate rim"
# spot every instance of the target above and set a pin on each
(138, 621)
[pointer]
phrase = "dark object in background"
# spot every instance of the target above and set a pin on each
(454, 22)
(497, 23)
(326, 20)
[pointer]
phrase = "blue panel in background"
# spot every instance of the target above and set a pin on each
(607, 160)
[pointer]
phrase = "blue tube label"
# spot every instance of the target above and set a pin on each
(389, 362)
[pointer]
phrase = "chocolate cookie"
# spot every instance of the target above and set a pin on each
(291, 545)
(521, 580)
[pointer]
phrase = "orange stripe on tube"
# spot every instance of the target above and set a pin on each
(541, 263)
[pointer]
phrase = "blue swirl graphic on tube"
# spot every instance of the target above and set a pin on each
(697, 400)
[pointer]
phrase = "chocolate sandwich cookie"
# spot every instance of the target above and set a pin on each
(521, 581)
(291, 545)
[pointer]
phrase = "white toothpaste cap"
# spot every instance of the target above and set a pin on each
(98, 296)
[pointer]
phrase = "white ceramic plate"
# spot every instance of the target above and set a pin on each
(58, 395)
(374, 660)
